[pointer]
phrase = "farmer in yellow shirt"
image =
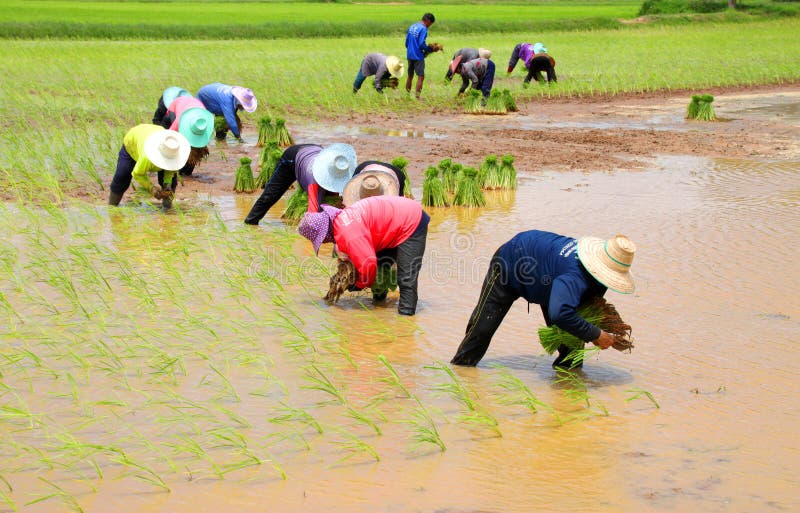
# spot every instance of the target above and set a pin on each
(149, 149)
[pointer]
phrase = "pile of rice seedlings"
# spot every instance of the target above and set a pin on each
(700, 108)
(468, 192)
(267, 161)
(401, 163)
(281, 134)
(342, 279)
(496, 104)
(433, 194)
(297, 205)
(489, 174)
(244, 177)
(385, 280)
(266, 132)
(511, 105)
(391, 82)
(220, 127)
(598, 312)
(474, 102)
(448, 177)
(508, 174)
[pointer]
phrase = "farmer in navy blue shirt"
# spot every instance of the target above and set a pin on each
(556, 272)
(417, 49)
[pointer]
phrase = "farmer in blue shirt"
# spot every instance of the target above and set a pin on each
(224, 100)
(417, 49)
(556, 272)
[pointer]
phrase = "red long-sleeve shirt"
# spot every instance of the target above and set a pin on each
(371, 225)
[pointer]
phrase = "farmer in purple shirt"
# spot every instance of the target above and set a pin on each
(535, 59)
(556, 272)
(417, 49)
(224, 100)
(479, 72)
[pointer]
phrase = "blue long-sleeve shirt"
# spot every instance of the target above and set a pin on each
(543, 268)
(219, 100)
(416, 48)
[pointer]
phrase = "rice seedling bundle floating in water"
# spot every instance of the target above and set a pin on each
(401, 163)
(489, 174)
(598, 312)
(269, 158)
(266, 132)
(244, 177)
(508, 174)
(509, 102)
(220, 127)
(473, 103)
(700, 108)
(468, 192)
(495, 104)
(282, 134)
(342, 279)
(433, 194)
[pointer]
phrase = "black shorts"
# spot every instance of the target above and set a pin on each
(417, 67)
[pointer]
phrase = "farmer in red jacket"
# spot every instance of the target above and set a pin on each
(369, 226)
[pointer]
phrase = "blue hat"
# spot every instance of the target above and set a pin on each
(173, 92)
(334, 166)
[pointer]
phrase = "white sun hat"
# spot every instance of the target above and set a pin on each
(167, 149)
(609, 261)
(395, 67)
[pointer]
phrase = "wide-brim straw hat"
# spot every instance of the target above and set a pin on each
(373, 180)
(334, 166)
(167, 150)
(395, 67)
(483, 53)
(609, 261)
(173, 92)
(246, 98)
(317, 226)
(197, 125)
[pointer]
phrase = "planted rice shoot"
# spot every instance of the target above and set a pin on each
(700, 108)
(245, 182)
(508, 174)
(489, 174)
(433, 193)
(266, 132)
(401, 163)
(281, 133)
(468, 192)
(640, 392)
(516, 392)
(394, 378)
(424, 427)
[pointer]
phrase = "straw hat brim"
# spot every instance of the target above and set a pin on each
(321, 168)
(395, 67)
(590, 251)
(188, 118)
(154, 155)
(389, 184)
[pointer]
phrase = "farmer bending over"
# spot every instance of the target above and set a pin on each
(479, 72)
(369, 226)
(224, 100)
(318, 172)
(148, 149)
(386, 70)
(167, 97)
(417, 49)
(463, 55)
(536, 60)
(189, 116)
(556, 272)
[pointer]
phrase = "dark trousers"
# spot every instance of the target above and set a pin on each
(409, 263)
(124, 174)
(282, 178)
(160, 116)
(539, 64)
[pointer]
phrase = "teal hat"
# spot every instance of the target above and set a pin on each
(539, 48)
(173, 92)
(196, 125)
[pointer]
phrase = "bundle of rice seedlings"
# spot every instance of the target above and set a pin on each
(244, 177)
(265, 156)
(197, 155)
(267, 163)
(489, 173)
(468, 192)
(297, 205)
(598, 312)
(385, 280)
(495, 104)
(473, 103)
(511, 105)
(700, 108)
(508, 175)
(456, 169)
(433, 194)
(265, 131)
(391, 82)
(282, 134)
(401, 163)
(344, 277)
(220, 127)
(448, 178)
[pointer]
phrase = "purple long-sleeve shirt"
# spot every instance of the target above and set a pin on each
(219, 100)
(522, 51)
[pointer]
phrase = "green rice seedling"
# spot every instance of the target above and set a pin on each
(433, 194)
(489, 173)
(282, 135)
(576, 390)
(394, 378)
(385, 280)
(67, 498)
(5, 497)
(265, 131)
(401, 163)
(508, 174)
(700, 108)
(188, 445)
(220, 127)
(319, 381)
(244, 177)
(468, 192)
(495, 104)
(362, 417)
(354, 446)
(289, 414)
(424, 427)
(639, 392)
(480, 419)
(473, 102)
(454, 387)
(267, 162)
(449, 179)
(297, 205)
(598, 312)
(509, 102)
(518, 393)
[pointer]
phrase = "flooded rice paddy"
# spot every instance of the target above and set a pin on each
(158, 362)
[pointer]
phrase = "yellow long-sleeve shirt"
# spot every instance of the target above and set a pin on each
(134, 145)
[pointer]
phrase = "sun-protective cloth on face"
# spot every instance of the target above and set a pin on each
(609, 261)
(395, 67)
(483, 53)
(318, 226)
(173, 92)
(167, 149)
(246, 98)
(334, 166)
(373, 180)
(196, 125)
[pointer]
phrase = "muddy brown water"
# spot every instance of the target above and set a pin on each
(716, 318)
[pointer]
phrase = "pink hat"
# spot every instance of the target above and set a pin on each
(246, 97)
(318, 226)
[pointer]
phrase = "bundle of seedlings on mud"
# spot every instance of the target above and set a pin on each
(468, 192)
(267, 161)
(265, 131)
(596, 311)
(700, 108)
(433, 194)
(495, 104)
(508, 100)
(508, 174)
(473, 103)
(489, 173)
(282, 134)
(342, 279)
(244, 177)
(220, 127)
(448, 178)
(401, 163)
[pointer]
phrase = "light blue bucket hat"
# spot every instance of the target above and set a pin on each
(173, 92)
(334, 167)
